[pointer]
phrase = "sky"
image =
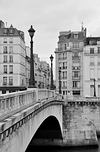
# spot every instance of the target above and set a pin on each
(48, 18)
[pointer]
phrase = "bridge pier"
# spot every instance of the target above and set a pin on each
(77, 129)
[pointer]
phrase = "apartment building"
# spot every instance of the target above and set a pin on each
(12, 59)
(91, 67)
(69, 59)
(41, 71)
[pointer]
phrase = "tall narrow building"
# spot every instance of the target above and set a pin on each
(12, 59)
(91, 67)
(69, 58)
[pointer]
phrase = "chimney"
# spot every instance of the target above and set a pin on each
(2, 25)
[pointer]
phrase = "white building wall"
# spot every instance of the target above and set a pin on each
(91, 71)
(19, 54)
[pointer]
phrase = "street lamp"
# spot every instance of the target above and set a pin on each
(94, 87)
(59, 80)
(32, 78)
(52, 86)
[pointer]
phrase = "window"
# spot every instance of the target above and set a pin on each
(75, 45)
(65, 47)
(5, 59)
(74, 84)
(65, 75)
(98, 50)
(91, 50)
(4, 80)
(10, 69)
(75, 36)
(98, 63)
(76, 74)
(5, 40)
(11, 40)
(59, 56)
(10, 49)
(64, 84)
(5, 68)
(91, 61)
(92, 73)
(5, 49)
(5, 31)
(64, 65)
(63, 92)
(10, 80)
(77, 92)
(92, 90)
(75, 56)
(11, 30)
(10, 58)
(99, 90)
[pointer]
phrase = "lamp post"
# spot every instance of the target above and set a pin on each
(52, 86)
(32, 78)
(94, 87)
(59, 80)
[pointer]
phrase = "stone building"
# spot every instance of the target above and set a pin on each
(41, 71)
(69, 58)
(12, 59)
(91, 67)
(15, 62)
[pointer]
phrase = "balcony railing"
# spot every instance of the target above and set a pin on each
(75, 58)
(76, 78)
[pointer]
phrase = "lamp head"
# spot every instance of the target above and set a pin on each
(31, 31)
(51, 57)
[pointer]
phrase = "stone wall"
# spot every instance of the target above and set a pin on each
(81, 122)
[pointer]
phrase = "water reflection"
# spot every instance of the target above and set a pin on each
(49, 149)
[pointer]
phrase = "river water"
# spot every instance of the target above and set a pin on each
(48, 149)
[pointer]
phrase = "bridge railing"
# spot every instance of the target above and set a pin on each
(17, 101)
(45, 94)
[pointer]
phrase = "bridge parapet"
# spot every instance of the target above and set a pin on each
(82, 101)
(17, 101)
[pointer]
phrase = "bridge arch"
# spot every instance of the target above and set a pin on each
(51, 112)
(49, 129)
(20, 138)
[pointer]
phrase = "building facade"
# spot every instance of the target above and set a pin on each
(69, 59)
(91, 67)
(12, 59)
(41, 71)
(15, 62)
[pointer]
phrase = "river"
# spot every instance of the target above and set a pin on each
(48, 149)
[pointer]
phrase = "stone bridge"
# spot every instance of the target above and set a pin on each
(23, 113)
(35, 115)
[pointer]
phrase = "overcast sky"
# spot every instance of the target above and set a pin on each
(48, 18)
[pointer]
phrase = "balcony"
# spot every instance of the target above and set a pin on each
(76, 68)
(62, 58)
(76, 58)
(63, 77)
(64, 68)
(76, 78)
(76, 87)
(64, 87)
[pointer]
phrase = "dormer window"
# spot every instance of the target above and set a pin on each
(5, 31)
(75, 36)
(11, 30)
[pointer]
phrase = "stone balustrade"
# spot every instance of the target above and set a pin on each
(17, 101)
